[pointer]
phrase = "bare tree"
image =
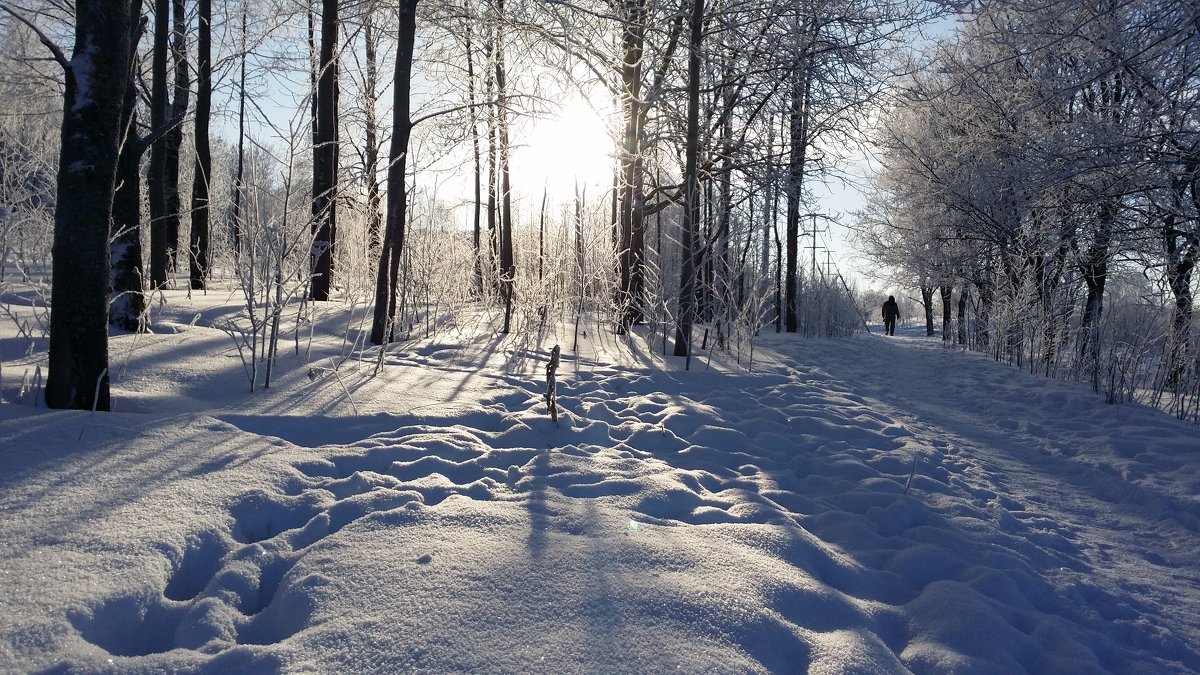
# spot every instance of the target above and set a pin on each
(388, 271)
(128, 305)
(325, 155)
(97, 77)
(157, 184)
(198, 257)
(691, 192)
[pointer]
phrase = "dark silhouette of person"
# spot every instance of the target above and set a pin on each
(891, 312)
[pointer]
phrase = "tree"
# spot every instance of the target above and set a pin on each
(97, 76)
(172, 139)
(383, 321)
(799, 109)
(473, 117)
(371, 132)
(160, 247)
(199, 240)
(631, 221)
(128, 305)
(691, 193)
(28, 151)
(325, 155)
(1047, 147)
(508, 265)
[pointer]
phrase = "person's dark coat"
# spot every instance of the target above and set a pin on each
(891, 312)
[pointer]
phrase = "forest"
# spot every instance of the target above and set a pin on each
(1031, 174)
(527, 336)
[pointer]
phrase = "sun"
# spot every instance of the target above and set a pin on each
(573, 147)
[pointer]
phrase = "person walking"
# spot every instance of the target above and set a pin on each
(891, 312)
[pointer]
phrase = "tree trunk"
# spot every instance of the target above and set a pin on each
(768, 201)
(1094, 267)
(721, 281)
(798, 131)
(128, 303)
(173, 139)
(691, 191)
(1180, 280)
(325, 156)
(397, 196)
(704, 255)
(983, 314)
(199, 239)
(93, 99)
(631, 220)
(962, 314)
(1183, 253)
(947, 291)
(542, 237)
(579, 261)
(239, 177)
(493, 247)
(473, 116)
(779, 257)
(157, 175)
(927, 304)
(508, 268)
(371, 130)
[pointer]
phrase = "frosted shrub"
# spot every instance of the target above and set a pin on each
(271, 263)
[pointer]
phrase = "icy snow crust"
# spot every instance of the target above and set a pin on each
(715, 520)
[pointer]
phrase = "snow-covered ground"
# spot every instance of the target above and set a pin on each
(865, 505)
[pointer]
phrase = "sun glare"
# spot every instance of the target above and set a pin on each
(572, 147)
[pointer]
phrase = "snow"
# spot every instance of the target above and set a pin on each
(83, 68)
(864, 505)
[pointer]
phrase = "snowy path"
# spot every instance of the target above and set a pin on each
(701, 521)
(1101, 491)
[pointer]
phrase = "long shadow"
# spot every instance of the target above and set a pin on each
(57, 465)
(443, 380)
(838, 487)
(536, 505)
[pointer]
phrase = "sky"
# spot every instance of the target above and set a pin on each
(567, 145)
(861, 505)
(573, 149)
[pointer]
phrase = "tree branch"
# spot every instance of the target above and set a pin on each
(42, 37)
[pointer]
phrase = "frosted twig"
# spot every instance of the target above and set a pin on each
(339, 379)
(912, 472)
(95, 402)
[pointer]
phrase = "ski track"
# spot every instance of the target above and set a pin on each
(764, 459)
